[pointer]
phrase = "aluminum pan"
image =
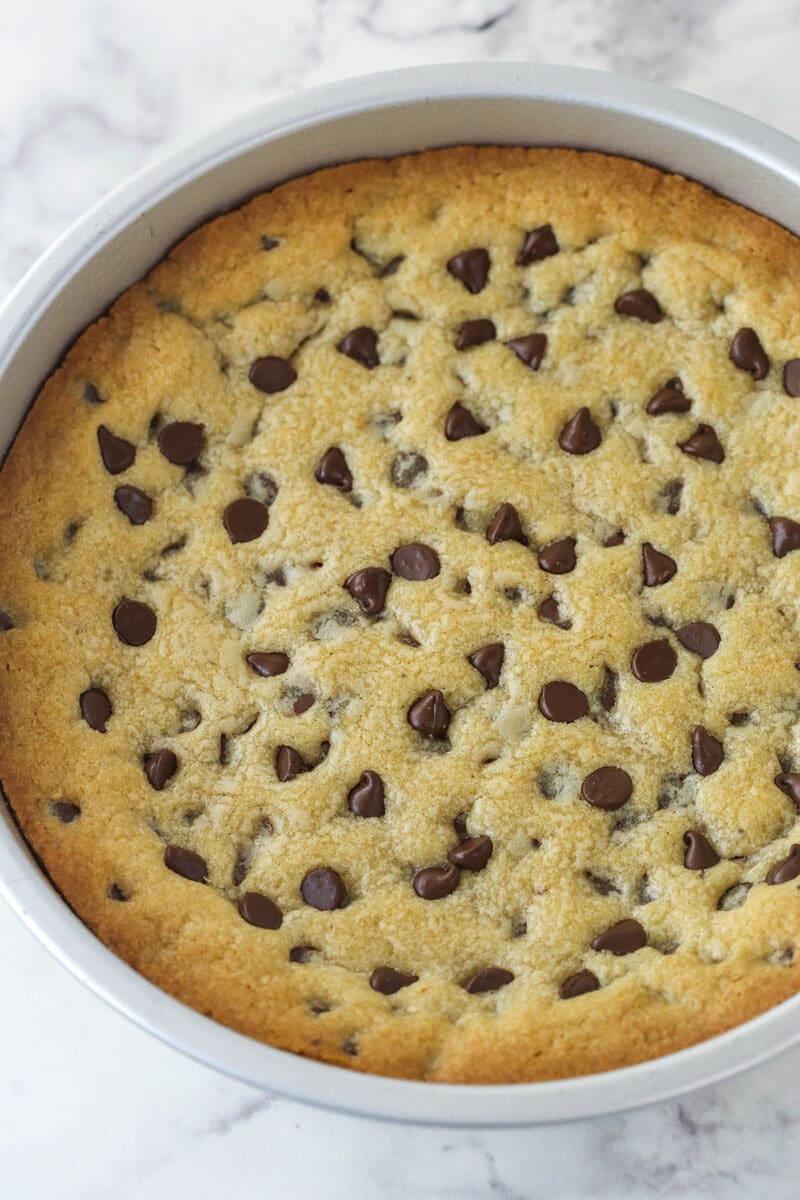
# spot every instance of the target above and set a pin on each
(123, 236)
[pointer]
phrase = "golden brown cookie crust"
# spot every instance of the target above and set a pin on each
(178, 347)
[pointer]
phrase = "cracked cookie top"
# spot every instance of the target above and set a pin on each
(399, 616)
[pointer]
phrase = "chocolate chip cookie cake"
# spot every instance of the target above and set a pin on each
(400, 611)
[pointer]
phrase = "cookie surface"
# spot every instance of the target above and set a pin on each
(399, 617)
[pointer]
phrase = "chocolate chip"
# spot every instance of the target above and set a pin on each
(608, 690)
(471, 267)
(366, 798)
(117, 453)
(115, 892)
(391, 266)
(415, 561)
(472, 854)
(135, 504)
(429, 715)
(658, 567)
(324, 889)
(134, 623)
(489, 661)
(303, 703)
(159, 768)
(387, 981)
(700, 637)
(245, 519)
(361, 345)
(95, 708)
(789, 783)
(6, 621)
(785, 536)
(272, 374)
(640, 304)
(433, 883)
(368, 587)
(791, 377)
(704, 443)
(787, 869)
(289, 763)
(607, 788)
(622, 938)
(186, 863)
(489, 979)
(580, 435)
(505, 526)
(269, 243)
(268, 662)
(407, 469)
(302, 954)
(91, 394)
(475, 333)
(654, 661)
(559, 557)
(614, 539)
(460, 423)
(707, 751)
(530, 349)
(260, 910)
(549, 610)
(672, 492)
(537, 244)
(748, 354)
(333, 470)
(562, 702)
(65, 810)
(700, 854)
(578, 985)
(181, 442)
(670, 398)
(261, 487)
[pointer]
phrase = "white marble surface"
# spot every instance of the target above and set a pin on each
(90, 1107)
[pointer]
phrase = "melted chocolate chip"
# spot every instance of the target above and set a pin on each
(505, 526)
(670, 398)
(407, 469)
(607, 788)
(472, 854)
(785, 536)
(559, 557)
(415, 561)
(791, 377)
(562, 702)
(549, 610)
(705, 444)
(133, 503)
(700, 637)
(260, 910)
(640, 304)
(361, 345)
(789, 783)
(787, 869)
(471, 267)
(272, 374)
(475, 333)
(366, 798)
(580, 435)
(324, 889)
(700, 854)
(538, 244)
(530, 349)
(429, 715)
(748, 354)
(707, 751)
(434, 883)
(159, 768)
(622, 938)
(65, 810)
(654, 661)
(608, 690)
(658, 567)
(268, 662)
(181, 442)
(245, 519)
(134, 623)
(460, 423)
(95, 708)
(186, 863)
(117, 453)
(368, 587)
(489, 661)
(489, 979)
(333, 470)
(578, 985)
(289, 763)
(387, 981)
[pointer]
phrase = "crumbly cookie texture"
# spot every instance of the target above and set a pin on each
(400, 616)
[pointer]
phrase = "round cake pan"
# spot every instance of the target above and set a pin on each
(121, 238)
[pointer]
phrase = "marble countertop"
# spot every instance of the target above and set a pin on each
(91, 1108)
